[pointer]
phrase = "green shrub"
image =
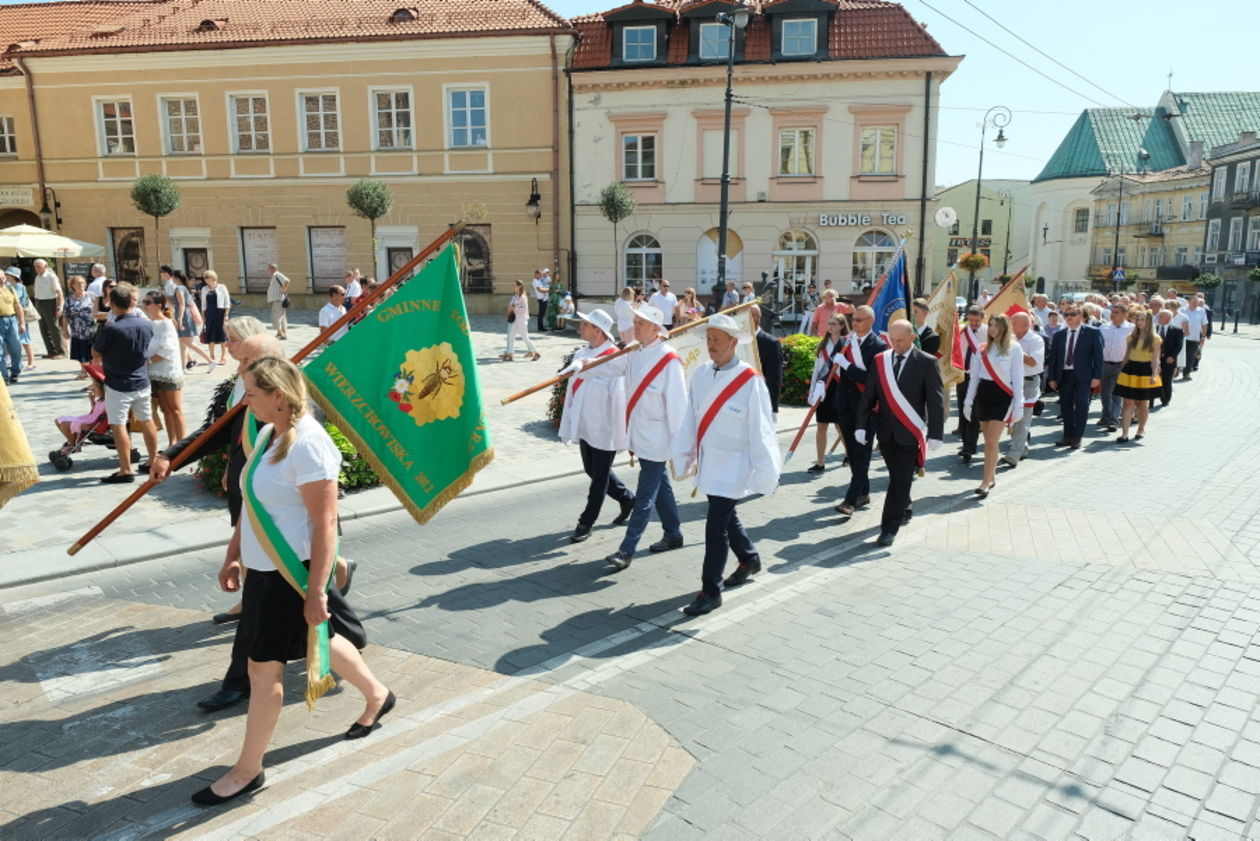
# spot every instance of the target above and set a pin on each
(799, 351)
(356, 472)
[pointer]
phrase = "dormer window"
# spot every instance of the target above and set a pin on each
(210, 25)
(403, 16)
(715, 42)
(638, 44)
(799, 37)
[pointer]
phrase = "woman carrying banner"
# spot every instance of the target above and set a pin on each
(826, 392)
(997, 372)
(288, 541)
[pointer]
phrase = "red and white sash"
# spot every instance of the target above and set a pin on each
(900, 406)
(971, 343)
(855, 357)
(706, 420)
(651, 375)
(575, 384)
(1006, 387)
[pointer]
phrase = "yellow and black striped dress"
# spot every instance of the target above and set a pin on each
(1134, 382)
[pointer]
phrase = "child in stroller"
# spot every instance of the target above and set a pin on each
(77, 429)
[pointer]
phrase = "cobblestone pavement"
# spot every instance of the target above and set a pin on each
(1075, 657)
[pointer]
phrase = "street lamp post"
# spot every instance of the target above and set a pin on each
(1009, 201)
(735, 20)
(1143, 156)
(999, 116)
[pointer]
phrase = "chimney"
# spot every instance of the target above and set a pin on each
(1246, 138)
(1194, 160)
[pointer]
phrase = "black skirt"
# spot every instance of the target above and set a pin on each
(828, 407)
(992, 403)
(281, 629)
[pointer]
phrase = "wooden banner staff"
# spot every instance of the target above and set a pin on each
(534, 389)
(360, 308)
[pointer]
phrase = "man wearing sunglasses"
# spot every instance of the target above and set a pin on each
(856, 360)
(1076, 367)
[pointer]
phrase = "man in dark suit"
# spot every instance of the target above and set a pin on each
(857, 367)
(770, 352)
(928, 339)
(1172, 339)
(917, 376)
(974, 335)
(1076, 366)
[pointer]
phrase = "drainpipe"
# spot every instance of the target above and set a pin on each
(39, 146)
(919, 267)
(573, 259)
(555, 155)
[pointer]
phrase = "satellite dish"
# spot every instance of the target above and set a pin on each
(946, 217)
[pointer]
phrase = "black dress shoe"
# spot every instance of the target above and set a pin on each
(905, 518)
(619, 560)
(118, 479)
(223, 699)
(1075, 445)
(885, 539)
(580, 533)
(966, 457)
(863, 501)
(665, 544)
(351, 566)
(815, 468)
(224, 618)
(624, 517)
(206, 797)
(845, 508)
(358, 731)
(742, 573)
(702, 604)
(1063, 442)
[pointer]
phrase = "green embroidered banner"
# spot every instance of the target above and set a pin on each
(402, 385)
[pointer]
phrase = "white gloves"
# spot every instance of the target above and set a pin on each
(573, 367)
(859, 435)
(933, 445)
(816, 393)
(841, 360)
(967, 411)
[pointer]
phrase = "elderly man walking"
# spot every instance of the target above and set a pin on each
(121, 347)
(48, 302)
(277, 298)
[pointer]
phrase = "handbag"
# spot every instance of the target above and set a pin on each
(32, 314)
(511, 316)
(284, 302)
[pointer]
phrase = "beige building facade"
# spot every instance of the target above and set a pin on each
(263, 140)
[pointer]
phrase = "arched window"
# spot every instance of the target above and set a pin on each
(871, 253)
(795, 261)
(643, 260)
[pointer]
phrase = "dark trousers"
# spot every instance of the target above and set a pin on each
(901, 461)
(723, 532)
(859, 462)
(1166, 372)
(48, 327)
(598, 465)
(344, 623)
(542, 313)
(1192, 356)
(1074, 404)
(970, 428)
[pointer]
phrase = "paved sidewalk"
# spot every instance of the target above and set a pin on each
(181, 516)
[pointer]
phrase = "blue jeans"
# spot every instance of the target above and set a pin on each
(654, 489)
(11, 344)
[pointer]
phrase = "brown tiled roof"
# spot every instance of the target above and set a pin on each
(233, 23)
(29, 23)
(859, 29)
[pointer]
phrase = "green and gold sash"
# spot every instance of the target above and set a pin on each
(249, 427)
(319, 677)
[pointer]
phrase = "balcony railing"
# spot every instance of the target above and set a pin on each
(1151, 229)
(1183, 272)
(1245, 199)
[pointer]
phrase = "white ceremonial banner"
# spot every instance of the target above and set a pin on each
(694, 352)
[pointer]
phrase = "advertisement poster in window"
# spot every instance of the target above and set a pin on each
(258, 245)
(328, 256)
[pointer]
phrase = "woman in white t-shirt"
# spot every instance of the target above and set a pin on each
(290, 485)
(518, 324)
(166, 372)
(624, 310)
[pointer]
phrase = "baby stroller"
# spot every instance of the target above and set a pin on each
(94, 432)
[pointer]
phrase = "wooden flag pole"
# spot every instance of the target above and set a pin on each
(325, 335)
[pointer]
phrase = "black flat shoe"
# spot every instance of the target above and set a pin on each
(1122, 439)
(351, 566)
(624, 517)
(358, 731)
(224, 618)
(665, 544)
(223, 699)
(885, 539)
(815, 468)
(206, 797)
(118, 479)
(580, 533)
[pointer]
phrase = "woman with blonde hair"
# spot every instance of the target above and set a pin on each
(518, 324)
(288, 541)
(689, 308)
(216, 304)
(166, 371)
(995, 392)
(623, 309)
(1139, 382)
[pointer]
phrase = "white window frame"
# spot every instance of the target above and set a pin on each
(724, 41)
(638, 153)
(626, 30)
(374, 112)
(783, 37)
(1077, 228)
(234, 136)
(8, 136)
(879, 133)
(797, 132)
(642, 251)
(98, 109)
(1218, 184)
(1253, 234)
(1204, 201)
(1197, 258)
(1187, 207)
(1182, 255)
(165, 120)
(304, 133)
(1235, 241)
(1242, 176)
(447, 113)
(1124, 213)
(1214, 235)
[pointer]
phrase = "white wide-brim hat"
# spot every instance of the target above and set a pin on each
(600, 319)
(647, 312)
(729, 326)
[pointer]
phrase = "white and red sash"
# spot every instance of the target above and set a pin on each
(900, 406)
(855, 357)
(1006, 387)
(971, 343)
(706, 420)
(651, 375)
(575, 384)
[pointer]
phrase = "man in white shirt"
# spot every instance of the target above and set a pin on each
(277, 292)
(48, 302)
(1196, 333)
(666, 302)
(96, 286)
(728, 439)
(1115, 335)
(542, 288)
(1034, 348)
(333, 310)
(1041, 309)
